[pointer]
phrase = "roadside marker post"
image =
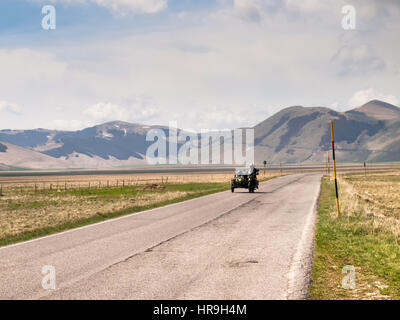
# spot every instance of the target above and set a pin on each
(365, 169)
(329, 167)
(334, 170)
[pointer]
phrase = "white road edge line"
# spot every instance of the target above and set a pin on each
(300, 269)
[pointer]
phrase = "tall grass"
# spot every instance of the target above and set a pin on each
(357, 239)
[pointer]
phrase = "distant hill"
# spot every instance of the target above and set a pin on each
(297, 134)
(112, 144)
(294, 135)
(379, 110)
(112, 139)
(15, 156)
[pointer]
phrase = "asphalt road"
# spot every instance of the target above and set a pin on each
(221, 246)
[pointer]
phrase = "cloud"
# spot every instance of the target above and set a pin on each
(69, 125)
(256, 10)
(309, 6)
(246, 70)
(124, 7)
(109, 112)
(248, 9)
(355, 59)
(10, 107)
(363, 96)
(366, 10)
(106, 111)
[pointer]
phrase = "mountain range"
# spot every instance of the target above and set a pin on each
(294, 135)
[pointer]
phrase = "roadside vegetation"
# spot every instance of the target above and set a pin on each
(27, 213)
(365, 236)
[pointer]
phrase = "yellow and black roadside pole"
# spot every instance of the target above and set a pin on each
(329, 167)
(334, 170)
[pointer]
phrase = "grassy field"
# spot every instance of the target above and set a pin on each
(365, 236)
(115, 180)
(26, 213)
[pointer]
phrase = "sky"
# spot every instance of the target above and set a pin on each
(209, 64)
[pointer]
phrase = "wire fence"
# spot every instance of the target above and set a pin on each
(40, 185)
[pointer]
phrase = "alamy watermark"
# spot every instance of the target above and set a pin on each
(174, 146)
(349, 280)
(49, 279)
(349, 21)
(49, 20)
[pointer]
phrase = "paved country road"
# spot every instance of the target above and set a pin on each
(222, 246)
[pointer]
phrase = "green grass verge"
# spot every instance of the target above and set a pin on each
(352, 241)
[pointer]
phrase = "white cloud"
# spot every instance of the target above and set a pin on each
(363, 96)
(106, 111)
(309, 5)
(247, 71)
(69, 125)
(355, 59)
(248, 9)
(124, 6)
(10, 107)
(256, 10)
(136, 112)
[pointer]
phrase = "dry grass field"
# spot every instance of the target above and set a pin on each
(375, 196)
(366, 236)
(53, 205)
(104, 181)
